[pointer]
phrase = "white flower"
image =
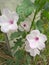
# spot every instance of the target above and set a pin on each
(35, 42)
(26, 24)
(8, 21)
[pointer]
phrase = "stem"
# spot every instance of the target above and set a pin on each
(7, 43)
(33, 21)
(34, 61)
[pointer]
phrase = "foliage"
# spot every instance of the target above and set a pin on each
(21, 57)
(25, 9)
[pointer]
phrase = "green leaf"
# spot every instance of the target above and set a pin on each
(23, 58)
(25, 9)
(39, 4)
(46, 7)
(45, 14)
(15, 35)
(20, 55)
(39, 25)
(19, 42)
(18, 34)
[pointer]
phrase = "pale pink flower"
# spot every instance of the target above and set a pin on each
(35, 42)
(8, 21)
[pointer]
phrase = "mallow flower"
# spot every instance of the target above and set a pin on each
(25, 25)
(35, 42)
(8, 21)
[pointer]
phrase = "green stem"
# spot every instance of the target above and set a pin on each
(7, 43)
(34, 62)
(33, 21)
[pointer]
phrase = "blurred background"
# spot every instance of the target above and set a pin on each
(11, 4)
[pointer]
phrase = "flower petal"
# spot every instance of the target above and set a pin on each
(13, 27)
(27, 47)
(35, 32)
(5, 28)
(34, 52)
(25, 25)
(33, 44)
(43, 37)
(29, 37)
(41, 46)
(15, 16)
(6, 12)
(3, 19)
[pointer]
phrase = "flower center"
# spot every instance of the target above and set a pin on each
(24, 25)
(11, 21)
(36, 38)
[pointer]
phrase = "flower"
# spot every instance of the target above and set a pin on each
(25, 26)
(8, 21)
(35, 42)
